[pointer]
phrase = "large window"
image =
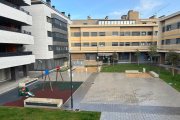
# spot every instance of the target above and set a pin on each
(114, 33)
(101, 44)
(168, 27)
(168, 41)
(121, 44)
(86, 34)
(77, 44)
(49, 33)
(150, 33)
(114, 43)
(127, 33)
(93, 33)
(135, 43)
(93, 44)
(121, 33)
(135, 33)
(49, 20)
(143, 33)
(102, 34)
(127, 43)
(86, 44)
(177, 40)
(162, 42)
(77, 34)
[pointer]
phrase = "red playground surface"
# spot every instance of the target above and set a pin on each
(60, 91)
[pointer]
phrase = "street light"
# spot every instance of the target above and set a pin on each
(71, 80)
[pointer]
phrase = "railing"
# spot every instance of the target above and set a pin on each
(14, 6)
(8, 54)
(14, 30)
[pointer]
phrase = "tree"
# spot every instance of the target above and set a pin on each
(137, 54)
(173, 58)
(152, 52)
(114, 57)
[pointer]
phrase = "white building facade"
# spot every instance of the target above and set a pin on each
(14, 57)
(50, 31)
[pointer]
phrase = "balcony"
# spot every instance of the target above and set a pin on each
(17, 37)
(15, 13)
(8, 54)
(12, 61)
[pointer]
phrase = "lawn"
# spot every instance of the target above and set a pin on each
(164, 74)
(9, 113)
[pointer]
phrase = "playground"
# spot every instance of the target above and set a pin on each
(61, 90)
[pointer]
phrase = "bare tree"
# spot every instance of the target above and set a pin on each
(173, 58)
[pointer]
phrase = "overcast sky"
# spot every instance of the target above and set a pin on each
(80, 9)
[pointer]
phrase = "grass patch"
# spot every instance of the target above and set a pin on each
(165, 75)
(10, 113)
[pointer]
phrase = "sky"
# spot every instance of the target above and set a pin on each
(80, 9)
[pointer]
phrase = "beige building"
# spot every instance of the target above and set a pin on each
(100, 38)
(169, 34)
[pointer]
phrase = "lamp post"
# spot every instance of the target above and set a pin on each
(70, 62)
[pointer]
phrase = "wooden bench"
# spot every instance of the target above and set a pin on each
(43, 103)
(152, 73)
(132, 71)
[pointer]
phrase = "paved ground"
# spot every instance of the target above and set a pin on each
(122, 98)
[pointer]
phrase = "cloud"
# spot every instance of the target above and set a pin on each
(147, 7)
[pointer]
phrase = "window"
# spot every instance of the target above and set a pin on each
(143, 43)
(168, 27)
(93, 44)
(77, 44)
(168, 42)
(143, 33)
(114, 33)
(50, 47)
(49, 33)
(49, 20)
(127, 43)
(177, 40)
(121, 44)
(150, 33)
(135, 43)
(93, 33)
(163, 29)
(135, 33)
(77, 34)
(86, 34)
(178, 25)
(121, 33)
(102, 34)
(86, 44)
(101, 44)
(162, 42)
(114, 43)
(156, 33)
(149, 43)
(127, 34)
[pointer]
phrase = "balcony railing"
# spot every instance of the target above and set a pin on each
(14, 6)
(14, 30)
(8, 54)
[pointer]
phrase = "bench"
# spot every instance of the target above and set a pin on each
(43, 103)
(152, 73)
(132, 71)
(27, 82)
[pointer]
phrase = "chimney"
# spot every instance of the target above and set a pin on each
(63, 13)
(53, 6)
(107, 17)
(88, 17)
(69, 16)
(133, 15)
(48, 2)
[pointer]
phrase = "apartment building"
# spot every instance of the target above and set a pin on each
(93, 39)
(169, 34)
(14, 57)
(50, 31)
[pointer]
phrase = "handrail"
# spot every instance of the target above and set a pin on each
(8, 54)
(14, 6)
(14, 30)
